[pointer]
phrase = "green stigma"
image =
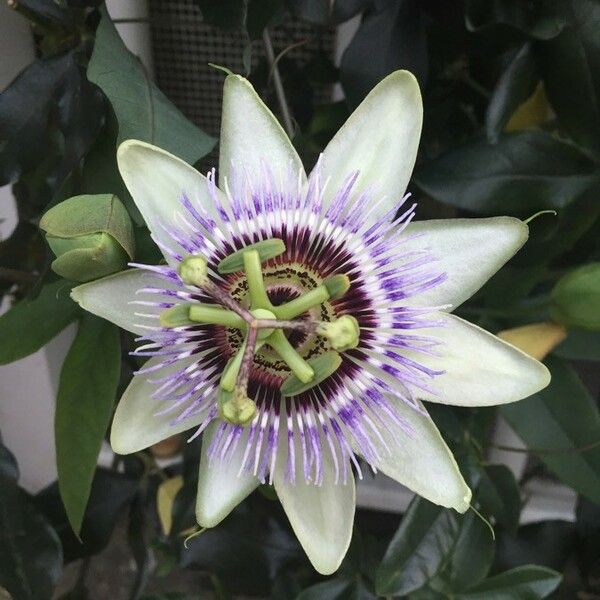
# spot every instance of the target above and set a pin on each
(236, 408)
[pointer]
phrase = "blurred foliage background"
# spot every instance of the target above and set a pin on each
(512, 127)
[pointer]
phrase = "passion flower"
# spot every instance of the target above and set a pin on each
(299, 323)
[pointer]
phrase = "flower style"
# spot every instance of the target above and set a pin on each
(299, 322)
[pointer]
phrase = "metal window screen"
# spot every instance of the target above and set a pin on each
(183, 45)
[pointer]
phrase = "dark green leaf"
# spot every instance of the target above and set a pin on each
(570, 64)
(30, 324)
(472, 554)
(313, 11)
(426, 535)
(342, 10)
(499, 495)
(24, 113)
(142, 110)
(30, 551)
(111, 492)
(139, 544)
(390, 37)
(542, 19)
(547, 543)
(575, 299)
(522, 173)
(580, 345)
(524, 583)
(226, 14)
(86, 395)
(261, 14)
(245, 550)
(332, 589)
(100, 173)
(48, 11)
(515, 85)
(564, 420)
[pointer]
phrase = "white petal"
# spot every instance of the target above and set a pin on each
(422, 461)
(251, 137)
(322, 516)
(469, 251)
(480, 369)
(220, 487)
(157, 181)
(111, 298)
(380, 139)
(136, 425)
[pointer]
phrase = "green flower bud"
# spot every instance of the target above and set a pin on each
(575, 299)
(91, 236)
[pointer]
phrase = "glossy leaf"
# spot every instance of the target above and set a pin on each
(390, 37)
(86, 395)
(545, 543)
(30, 551)
(523, 583)
(142, 110)
(522, 173)
(30, 324)
(24, 111)
(541, 20)
(499, 495)
(515, 85)
(110, 493)
(564, 420)
(426, 535)
(472, 554)
(570, 64)
(332, 589)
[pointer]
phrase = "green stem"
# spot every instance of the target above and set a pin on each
(256, 285)
(300, 305)
(214, 315)
(301, 369)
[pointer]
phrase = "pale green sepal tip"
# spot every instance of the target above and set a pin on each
(337, 286)
(193, 270)
(176, 316)
(266, 249)
(323, 366)
(236, 408)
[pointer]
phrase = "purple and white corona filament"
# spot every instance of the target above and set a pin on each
(298, 323)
